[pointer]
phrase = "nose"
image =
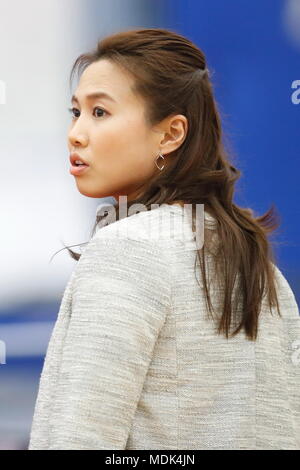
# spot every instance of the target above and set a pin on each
(76, 136)
(76, 140)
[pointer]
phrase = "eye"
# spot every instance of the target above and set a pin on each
(75, 110)
(72, 110)
(101, 109)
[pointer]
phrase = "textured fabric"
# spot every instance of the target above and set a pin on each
(134, 362)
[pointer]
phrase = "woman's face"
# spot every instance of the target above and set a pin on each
(111, 135)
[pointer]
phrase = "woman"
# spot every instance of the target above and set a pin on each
(144, 355)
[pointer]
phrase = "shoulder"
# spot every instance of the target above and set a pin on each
(122, 254)
(287, 300)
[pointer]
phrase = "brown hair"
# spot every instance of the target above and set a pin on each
(171, 75)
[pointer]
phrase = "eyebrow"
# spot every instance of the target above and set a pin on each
(92, 96)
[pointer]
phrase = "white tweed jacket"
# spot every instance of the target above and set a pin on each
(134, 362)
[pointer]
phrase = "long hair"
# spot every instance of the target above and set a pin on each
(171, 75)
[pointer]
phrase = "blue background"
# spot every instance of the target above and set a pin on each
(254, 64)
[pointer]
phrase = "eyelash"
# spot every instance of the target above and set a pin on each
(71, 110)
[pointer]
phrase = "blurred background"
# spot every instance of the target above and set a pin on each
(253, 51)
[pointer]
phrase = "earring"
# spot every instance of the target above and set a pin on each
(160, 155)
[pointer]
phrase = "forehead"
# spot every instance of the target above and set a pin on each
(107, 77)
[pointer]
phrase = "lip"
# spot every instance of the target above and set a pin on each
(77, 170)
(74, 156)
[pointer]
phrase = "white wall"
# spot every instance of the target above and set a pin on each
(39, 202)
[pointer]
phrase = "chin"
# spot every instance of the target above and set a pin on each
(90, 192)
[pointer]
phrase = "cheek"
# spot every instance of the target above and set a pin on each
(124, 142)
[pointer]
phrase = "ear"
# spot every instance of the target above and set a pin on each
(175, 130)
